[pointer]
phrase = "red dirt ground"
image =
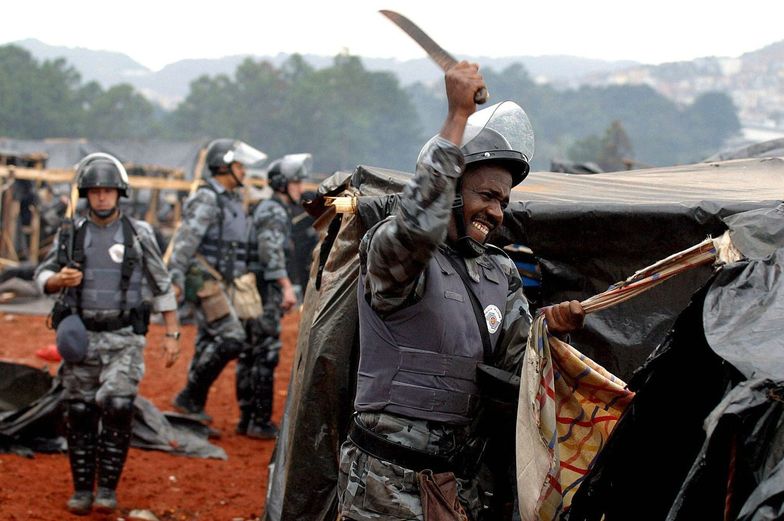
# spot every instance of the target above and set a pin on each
(172, 487)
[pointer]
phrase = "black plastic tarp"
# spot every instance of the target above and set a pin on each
(704, 436)
(303, 481)
(591, 231)
(32, 419)
(588, 232)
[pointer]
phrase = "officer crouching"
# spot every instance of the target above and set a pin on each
(110, 276)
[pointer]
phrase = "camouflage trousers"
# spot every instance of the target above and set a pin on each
(114, 366)
(373, 489)
(210, 335)
(256, 365)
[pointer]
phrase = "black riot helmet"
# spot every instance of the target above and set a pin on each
(501, 133)
(288, 169)
(101, 170)
(221, 153)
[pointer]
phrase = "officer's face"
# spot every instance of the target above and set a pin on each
(486, 190)
(239, 170)
(102, 199)
(295, 190)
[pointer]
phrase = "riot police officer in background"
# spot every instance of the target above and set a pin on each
(435, 304)
(111, 276)
(211, 249)
(272, 227)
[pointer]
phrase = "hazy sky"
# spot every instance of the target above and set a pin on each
(159, 32)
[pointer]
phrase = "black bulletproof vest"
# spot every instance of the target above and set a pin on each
(420, 361)
(225, 245)
(105, 256)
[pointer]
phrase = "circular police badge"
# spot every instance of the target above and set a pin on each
(116, 252)
(493, 318)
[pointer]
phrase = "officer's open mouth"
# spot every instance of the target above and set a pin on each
(485, 229)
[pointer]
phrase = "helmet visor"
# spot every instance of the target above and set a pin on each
(296, 167)
(506, 119)
(243, 153)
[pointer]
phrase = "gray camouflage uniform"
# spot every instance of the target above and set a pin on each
(395, 255)
(221, 340)
(255, 367)
(114, 364)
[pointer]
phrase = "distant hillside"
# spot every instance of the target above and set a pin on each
(105, 67)
(754, 80)
(171, 84)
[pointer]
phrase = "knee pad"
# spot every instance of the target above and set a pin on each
(230, 349)
(117, 411)
(82, 416)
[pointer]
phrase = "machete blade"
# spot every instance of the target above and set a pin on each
(435, 51)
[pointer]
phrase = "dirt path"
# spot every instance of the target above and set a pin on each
(172, 487)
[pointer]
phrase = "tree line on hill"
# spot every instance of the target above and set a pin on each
(346, 115)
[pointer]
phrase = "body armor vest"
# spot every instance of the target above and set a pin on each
(420, 361)
(104, 253)
(288, 244)
(225, 245)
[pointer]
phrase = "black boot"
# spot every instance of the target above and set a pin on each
(202, 375)
(82, 432)
(242, 425)
(191, 401)
(260, 425)
(113, 444)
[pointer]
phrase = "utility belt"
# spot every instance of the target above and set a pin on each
(137, 317)
(463, 461)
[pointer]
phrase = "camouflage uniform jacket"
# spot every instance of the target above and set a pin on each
(393, 256)
(272, 224)
(201, 211)
(394, 253)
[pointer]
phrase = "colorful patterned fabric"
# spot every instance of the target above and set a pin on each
(568, 406)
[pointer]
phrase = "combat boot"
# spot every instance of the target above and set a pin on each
(82, 430)
(185, 404)
(242, 425)
(113, 444)
(105, 500)
(192, 399)
(262, 431)
(81, 503)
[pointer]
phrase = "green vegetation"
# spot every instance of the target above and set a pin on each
(345, 115)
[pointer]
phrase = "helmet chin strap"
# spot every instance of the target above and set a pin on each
(103, 214)
(465, 245)
(236, 179)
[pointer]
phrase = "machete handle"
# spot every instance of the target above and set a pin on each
(480, 97)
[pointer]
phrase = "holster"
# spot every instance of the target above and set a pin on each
(500, 392)
(438, 493)
(60, 310)
(140, 318)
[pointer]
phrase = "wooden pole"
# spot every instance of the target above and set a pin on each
(35, 235)
(191, 190)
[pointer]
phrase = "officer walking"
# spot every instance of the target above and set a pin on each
(435, 301)
(109, 271)
(211, 249)
(272, 227)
